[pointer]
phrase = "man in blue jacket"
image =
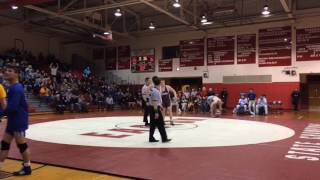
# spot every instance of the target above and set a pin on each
(17, 113)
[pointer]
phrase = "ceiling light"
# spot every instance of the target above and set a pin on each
(151, 26)
(266, 10)
(204, 19)
(207, 23)
(106, 33)
(118, 13)
(14, 7)
(176, 4)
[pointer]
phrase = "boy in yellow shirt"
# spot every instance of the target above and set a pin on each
(3, 96)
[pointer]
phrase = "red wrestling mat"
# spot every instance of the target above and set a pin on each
(293, 158)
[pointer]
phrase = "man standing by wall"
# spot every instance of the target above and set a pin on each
(295, 99)
(224, 97)
(252, 101)
(17, 112)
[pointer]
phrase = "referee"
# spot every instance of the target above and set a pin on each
(17, 113)
(145, 99)
(156, 118)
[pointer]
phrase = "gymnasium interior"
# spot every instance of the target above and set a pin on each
(84, 65)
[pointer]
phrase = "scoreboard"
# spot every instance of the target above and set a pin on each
(143, 61)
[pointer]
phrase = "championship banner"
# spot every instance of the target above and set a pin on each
(143, 60)
(220, 50)
(275, 46)
(308, 44)
(246, 49)
(111, 58)
(192, 53)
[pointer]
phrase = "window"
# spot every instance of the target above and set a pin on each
(170, 52)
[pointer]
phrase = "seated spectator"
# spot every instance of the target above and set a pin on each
(262, 105)
(204, 104)
(109, 103)
(99, 100)
(82, 104)
(44, 95)
(184, 103)
(242, 105)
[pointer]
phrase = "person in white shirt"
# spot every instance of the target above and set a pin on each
(243, 103)
(54, 70)
(146, 91)
(262, 104)
(109, 102)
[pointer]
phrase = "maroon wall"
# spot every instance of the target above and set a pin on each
(274, 91)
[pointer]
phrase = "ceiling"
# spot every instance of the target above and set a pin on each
(81, 18)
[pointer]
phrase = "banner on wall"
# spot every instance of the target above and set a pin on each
(308, 44)
(220, 50)
(143, 60)
(111, 58)
(246, 49)
(165, 65)
(275, 46)
(98, 54)
(123, 57)
(192, 53)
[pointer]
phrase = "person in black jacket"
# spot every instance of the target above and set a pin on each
(295, 95)
(224, 97)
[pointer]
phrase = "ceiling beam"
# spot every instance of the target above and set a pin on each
(103, 7)
(183, 21)
(90, 25)
(286, 4)
(72, 2)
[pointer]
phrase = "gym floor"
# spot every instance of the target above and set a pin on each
(258, 153)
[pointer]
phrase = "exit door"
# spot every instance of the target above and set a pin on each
(314, 94)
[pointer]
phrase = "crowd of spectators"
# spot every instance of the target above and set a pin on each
(63, 88)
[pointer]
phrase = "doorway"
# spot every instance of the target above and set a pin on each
(310, 90)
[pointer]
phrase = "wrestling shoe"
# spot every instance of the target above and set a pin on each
(25, 171)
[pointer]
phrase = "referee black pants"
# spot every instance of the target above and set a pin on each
(146, 113)
(157, 123)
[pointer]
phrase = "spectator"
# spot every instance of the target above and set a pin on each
(87, 72)
(224, 97)
(109, 103)
(44, 95)
(262, 105)
(54, 71)
(210, 92)
(295, 99)
(252, 101)
(242, 105)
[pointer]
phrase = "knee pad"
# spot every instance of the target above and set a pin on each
(5, 146)
(22, 147)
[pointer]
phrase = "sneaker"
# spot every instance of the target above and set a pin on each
(25, 171)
